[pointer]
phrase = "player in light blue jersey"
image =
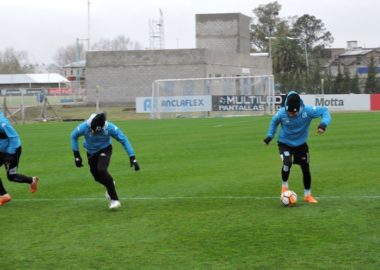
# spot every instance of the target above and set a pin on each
(10, 152)
(98, 134)
(295, 118)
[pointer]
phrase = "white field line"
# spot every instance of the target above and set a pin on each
(373, 197)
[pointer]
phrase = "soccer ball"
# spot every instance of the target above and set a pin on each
(289, 198)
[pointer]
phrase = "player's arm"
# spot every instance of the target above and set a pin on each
(272, 128)
(75, 134)
(14, 140)
(118, 135)
(325, 116)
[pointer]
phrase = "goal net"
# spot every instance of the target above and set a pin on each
(213, 97)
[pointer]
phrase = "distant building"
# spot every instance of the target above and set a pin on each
(37, 80)
(75, 72)
(354, 58)
(223, 49)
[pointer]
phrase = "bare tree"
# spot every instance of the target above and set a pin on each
(76, 52)
(10, 62)
(120, 43)
(69, 54)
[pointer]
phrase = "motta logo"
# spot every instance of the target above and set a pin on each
(332, 102)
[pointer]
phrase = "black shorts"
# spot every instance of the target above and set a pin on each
(101, 159)
(10, 160)
(300, 154)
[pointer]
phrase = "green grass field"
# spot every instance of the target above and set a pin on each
(207, 197)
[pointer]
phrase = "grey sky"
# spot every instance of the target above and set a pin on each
(40, 27)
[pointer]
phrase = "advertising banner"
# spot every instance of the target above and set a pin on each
(344, 102)
(347, 102)
(244, 102)
(375, 102)
(174, 104)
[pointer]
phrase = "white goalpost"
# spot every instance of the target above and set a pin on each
(213, 97)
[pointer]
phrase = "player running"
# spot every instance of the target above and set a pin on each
(10, 152)
(295, 119)
(97, 134)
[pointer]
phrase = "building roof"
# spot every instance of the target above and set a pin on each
(32, 78)
(78, 64)
(356, 52)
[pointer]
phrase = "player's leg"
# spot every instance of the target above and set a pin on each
(302, 158)
(2, 188)
(11, 162)
(4, 196)
(99, 163)
(286, 157)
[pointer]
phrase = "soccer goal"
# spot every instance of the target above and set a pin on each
(213, 97)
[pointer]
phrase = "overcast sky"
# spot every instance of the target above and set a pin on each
(40, 27)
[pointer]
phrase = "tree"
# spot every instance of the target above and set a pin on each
(338, 82)
(313, 37)
(346, 83)
(313, 77)
(69, 54)
(120, 43)
(10, 62)
(76, 52)
(296, 44)
(287, 64)
(327, 85)
(266, 23)
(311, 31)
(355, 88)
(285, 57)
(371, 84)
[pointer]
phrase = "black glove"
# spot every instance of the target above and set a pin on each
(78, 159)
(267, 140)
(134, 163)
(322, 126)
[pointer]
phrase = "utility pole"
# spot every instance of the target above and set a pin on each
(88, 25)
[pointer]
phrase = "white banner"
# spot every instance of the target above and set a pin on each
(347, 102)
(174, 104)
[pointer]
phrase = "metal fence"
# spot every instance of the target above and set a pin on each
(18, 100)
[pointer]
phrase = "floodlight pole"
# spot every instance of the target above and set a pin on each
(306, 58)
(270, 46)
(97, 98)
(323, 86)
(88, 24)
(273, 15)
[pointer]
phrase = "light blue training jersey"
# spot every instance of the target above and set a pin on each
(294, 131)
(9, 139)
(94, 142)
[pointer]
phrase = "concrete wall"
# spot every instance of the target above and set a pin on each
(120, 77)
(228, 32)
(123, 75)
(219, 63)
